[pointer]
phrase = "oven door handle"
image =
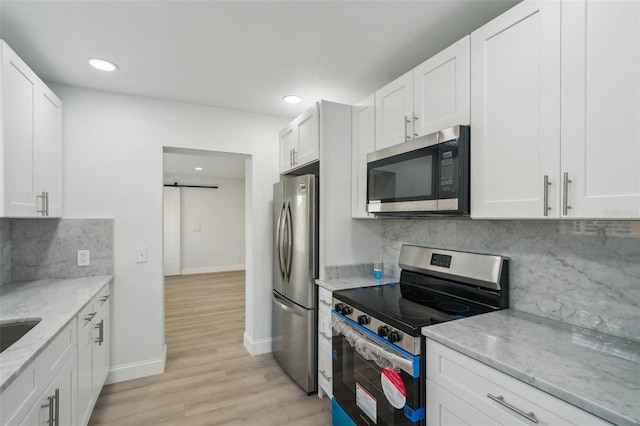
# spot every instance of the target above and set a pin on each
(373, 351)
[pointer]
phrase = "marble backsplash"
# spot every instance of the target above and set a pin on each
(582, 273)
(5, 251)
(47, 248)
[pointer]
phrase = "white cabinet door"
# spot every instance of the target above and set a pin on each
(308, 148)
(85, 371)
(446, 409)
(300, 141)
(441, 90)
(47, 153)
(601, 108)
(101, 334)
(515, 112)
(19, 99)
(288, 140)
(393, 112)
(58, 399)
(362, 143)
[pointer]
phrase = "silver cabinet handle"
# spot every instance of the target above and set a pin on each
(323, 334)
(295, 161)
(324, 302)
(90, 316)
(54, 408)
(324, 374)
(43, 203)
(546, 207)
(565, 193)
(500, 400)
(406, 132)
(105, 298)
(413, 125)
(46, 203)
(100, 328)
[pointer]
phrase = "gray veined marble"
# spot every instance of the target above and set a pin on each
(47, 249)
(567, 271)
(5, 251)
(597, 372)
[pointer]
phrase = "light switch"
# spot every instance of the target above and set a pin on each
(142, 255)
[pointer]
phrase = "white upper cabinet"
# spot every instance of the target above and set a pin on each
(556, 112)
(393, 111)
(300, 141)
(362, 143)
(601, 108)
(431, 97)
(515, 113)
(441, 90)
(30, 143)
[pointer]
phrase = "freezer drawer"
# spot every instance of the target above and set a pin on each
(295, 341)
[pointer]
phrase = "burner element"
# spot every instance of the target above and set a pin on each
(453, 307)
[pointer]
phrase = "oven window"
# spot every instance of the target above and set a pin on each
(358, 388)
(405, 177)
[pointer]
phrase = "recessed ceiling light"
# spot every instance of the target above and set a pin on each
(102, 65)
(292, 99)
(199, 169)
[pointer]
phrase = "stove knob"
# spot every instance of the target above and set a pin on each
(395, 336)
(339, 307)
(346, 310)
(363, 319)
(383, 330)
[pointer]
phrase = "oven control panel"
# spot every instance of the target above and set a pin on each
(399, 338)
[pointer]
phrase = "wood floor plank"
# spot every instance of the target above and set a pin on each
(210, 377)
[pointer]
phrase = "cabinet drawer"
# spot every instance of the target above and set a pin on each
(473, 381)
(324, 300)
(325, 379)
(324, 331)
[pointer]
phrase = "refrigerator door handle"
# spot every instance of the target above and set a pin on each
(287, 306)
(279, 241)
(289, 256)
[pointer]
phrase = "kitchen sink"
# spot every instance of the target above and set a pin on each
(11, 331)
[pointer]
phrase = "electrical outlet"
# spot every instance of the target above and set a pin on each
(142, 255)
(84, 258)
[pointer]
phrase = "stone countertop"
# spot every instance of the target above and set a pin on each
(593, 371)
(56, 301)
(345, 283)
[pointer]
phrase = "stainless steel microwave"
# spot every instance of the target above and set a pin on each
(423, 177)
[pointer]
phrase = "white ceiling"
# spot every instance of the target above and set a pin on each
(214, 164)
(242, 55)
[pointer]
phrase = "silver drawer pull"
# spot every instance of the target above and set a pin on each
(500, 400)
(324, 302)
(324, 374)
(104, 298)
(90, 316)
(323, 334)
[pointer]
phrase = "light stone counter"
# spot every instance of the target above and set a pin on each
(57, 302)
(345, 283)
(593, 371)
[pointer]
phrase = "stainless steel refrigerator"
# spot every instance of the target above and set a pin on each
(295, 268)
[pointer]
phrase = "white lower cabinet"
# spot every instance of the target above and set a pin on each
(56, 406)
(325, 383)
(93, 353)
(461, 390)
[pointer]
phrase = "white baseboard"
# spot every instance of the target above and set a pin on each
(209, 269)
(257, 347)
(136, 370)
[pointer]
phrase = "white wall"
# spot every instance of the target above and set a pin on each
(212, 224)
(112, 167)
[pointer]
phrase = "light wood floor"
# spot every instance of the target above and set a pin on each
(210, 378)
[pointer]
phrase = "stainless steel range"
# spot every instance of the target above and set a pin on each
(378, 368)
